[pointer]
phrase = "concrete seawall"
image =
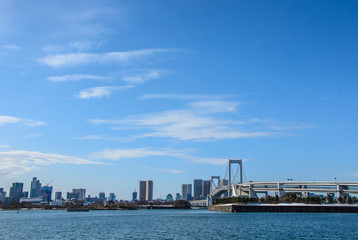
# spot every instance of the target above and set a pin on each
(285, 208)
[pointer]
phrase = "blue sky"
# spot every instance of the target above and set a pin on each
(102, 94)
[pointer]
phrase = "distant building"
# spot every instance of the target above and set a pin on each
(25, 194)
(177, 196)
(81, 193)
(134, 196)
(169, 198)
(146, 190)
(102, 196)
(112, 197)
(142, 190)
(35, 188)
(46, 193)
(58, 196)
(71, 196)
(149, 190)
(186, 191)
(207, 187)
(198, 188)
(16, 191)
(2, 196)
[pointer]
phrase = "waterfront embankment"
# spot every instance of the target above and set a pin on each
(319, 208)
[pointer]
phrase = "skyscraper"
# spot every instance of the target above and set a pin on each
(2, 196)
(102, 196)
(198, 188)
(134, 196)
(186, 191)
(58, 196)
(149, 190)
(112, 197)
(206, 188)
(142, 190)
(35, 188)
(224, 182)
(46, 192)
(81, 193)
(146, 190)
(16, 191)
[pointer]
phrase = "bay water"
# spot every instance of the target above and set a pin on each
(175, 224)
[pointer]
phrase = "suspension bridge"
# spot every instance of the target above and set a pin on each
(232, 185)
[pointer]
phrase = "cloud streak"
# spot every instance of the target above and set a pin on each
(200, 121)
(120, 154)
(13, 163)
(15, 120)
(100, 92)
(126, 57)
(74, 77)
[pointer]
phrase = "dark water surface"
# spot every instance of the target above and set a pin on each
(175, 224)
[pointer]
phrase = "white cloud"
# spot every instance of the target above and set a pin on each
(14, 120)
(72, 59)
(99, 92)
(7, 119)
(200, 121)
(142, 78)
(120, 154)
(164, 170)
(187, 97)
(14, 163)
(74, 77)
(11, 47)
(4, 146)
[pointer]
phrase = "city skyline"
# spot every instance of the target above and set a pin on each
(101, 95)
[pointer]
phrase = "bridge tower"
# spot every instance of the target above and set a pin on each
(231, 182)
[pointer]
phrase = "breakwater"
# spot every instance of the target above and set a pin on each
(285, 208)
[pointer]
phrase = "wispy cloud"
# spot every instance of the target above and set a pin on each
(164, 170)
(72, 59)
(4, 146)
(74, 77)
(14, 163)
(187, 97)
(15, 120)
(201, 121)
(143, 77)
(99, 92)
(120, 154)
(11, 47)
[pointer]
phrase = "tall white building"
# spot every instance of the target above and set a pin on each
(81, 193)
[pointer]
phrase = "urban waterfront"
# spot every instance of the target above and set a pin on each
(175, 224)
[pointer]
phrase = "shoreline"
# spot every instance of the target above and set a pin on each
(309, 208)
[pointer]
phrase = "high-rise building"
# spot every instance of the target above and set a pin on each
(102, 196)
(186, 191)
(198, 188)
(81, 193)
(146, 190)
(134, 196)
(177, 196)
(46, 193)
(35, 188)
(71, 196)
(142, 190)
(112, 197)
(16, 191)
(25, 194)
(58, 196)
(149, 190)
(207, 187)
(2, 196)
